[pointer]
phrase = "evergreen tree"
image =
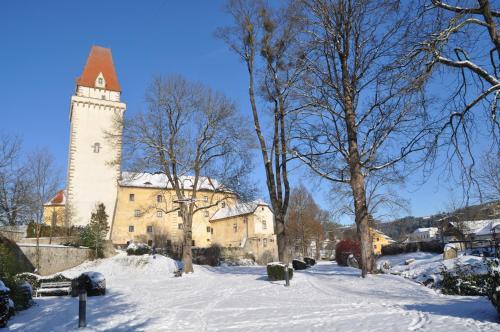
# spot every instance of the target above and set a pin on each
(94, 234)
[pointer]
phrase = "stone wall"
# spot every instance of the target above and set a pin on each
(48, 240)
(55, 258)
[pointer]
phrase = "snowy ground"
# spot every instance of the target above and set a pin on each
(142, 296)
(428, 266)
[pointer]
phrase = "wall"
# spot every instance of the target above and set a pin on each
(166, 224)
(55, 258)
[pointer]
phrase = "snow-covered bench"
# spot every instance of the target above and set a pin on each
(54, 288)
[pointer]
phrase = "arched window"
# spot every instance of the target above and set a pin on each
(96, 147)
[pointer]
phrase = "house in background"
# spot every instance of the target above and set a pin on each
(379, 240)
(424, 234)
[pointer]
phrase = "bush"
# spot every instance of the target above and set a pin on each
(493, 287)
(299, 265)
(463, 282)
(21, 293)
(310, 261)
(401, 248)
(345, 248)
(276, 271)
(138, 249)
(209, 256)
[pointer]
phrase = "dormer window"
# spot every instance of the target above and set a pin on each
(100, 81)
(96, 147)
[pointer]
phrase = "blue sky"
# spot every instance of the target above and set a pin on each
(44, 45)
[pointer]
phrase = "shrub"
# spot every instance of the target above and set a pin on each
(138, 249)
(432, 246)
(310, 261)
(493, 287)
(401, 248)
(276, 271)
(208, 256)
(463, 282)
(299, 265)
(345, 248)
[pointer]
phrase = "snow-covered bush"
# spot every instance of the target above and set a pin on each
(299, 265)
(463, 281)
(276, 271)
(345, 248)
(494, 283)
(138, 249)
(6, 305)
(310, 261)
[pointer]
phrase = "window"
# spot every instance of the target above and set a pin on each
(149, 229)
(96, 147)
(208, 229)
(103, 97)
(137, 213)
(192, 243)
(223, 204)
(211, 230)
(159, 198)
(131, 229)
(378, 239)
(131, 197)
(262, 208)
(245, 220)
(264, 224)
(205, 198)
(159, 213)
(179, 214)
(179, 226)
(235, 227)
(374, 246)
(272, 240)
(99, 80)
(150, 243)
(169, 243)
(264, 243)
(206, 214)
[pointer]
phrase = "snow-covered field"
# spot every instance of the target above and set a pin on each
(143, 296)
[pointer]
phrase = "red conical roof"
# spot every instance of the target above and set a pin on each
(100, 60)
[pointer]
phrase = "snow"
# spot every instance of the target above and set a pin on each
(480, 227)
(237, 210)
(160, 180)
(143, 296)
(428, 266)
(3, 288)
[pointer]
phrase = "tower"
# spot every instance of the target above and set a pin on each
(94, 154)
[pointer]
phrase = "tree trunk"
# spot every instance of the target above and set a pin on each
(283, 252)
(187, 255)
(358, 187)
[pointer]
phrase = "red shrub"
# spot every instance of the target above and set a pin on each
(344, 249)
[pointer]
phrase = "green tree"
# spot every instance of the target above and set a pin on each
(94, 234)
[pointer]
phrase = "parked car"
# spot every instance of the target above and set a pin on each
(6, 305)
(93, 282)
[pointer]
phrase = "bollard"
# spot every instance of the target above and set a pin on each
(82, 309)
(287, 277)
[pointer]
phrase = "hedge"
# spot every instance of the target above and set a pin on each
(401, 248)
(276, 271)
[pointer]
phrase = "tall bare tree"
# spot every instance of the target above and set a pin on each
(463, 41)
(194, 136)
(266, 39)
(14, 183)
(364, 110)
(44, 181)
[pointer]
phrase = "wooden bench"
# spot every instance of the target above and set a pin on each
(54, 287)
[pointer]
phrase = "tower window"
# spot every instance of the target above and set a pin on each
(99, 80)
(96, 147)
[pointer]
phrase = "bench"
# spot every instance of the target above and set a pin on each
(54, 288)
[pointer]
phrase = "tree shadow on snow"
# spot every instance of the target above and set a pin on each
(242, 270)
(332, 270)
(470, 307)
(110, 312)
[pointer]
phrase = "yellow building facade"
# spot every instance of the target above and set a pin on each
(379, 240)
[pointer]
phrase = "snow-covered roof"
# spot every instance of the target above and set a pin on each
(160, 181)
(237, 210)
(479, 227)
(425, 230)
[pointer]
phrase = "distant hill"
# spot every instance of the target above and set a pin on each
(400, 228)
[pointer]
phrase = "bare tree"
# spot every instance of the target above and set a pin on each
(273, 33)
(364, 112)
(14, 183)
(463, 41)
(303, 219)
(44, 181)
(489, 176)
(194, 136)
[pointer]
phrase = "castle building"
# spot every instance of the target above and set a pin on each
(142, 206)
